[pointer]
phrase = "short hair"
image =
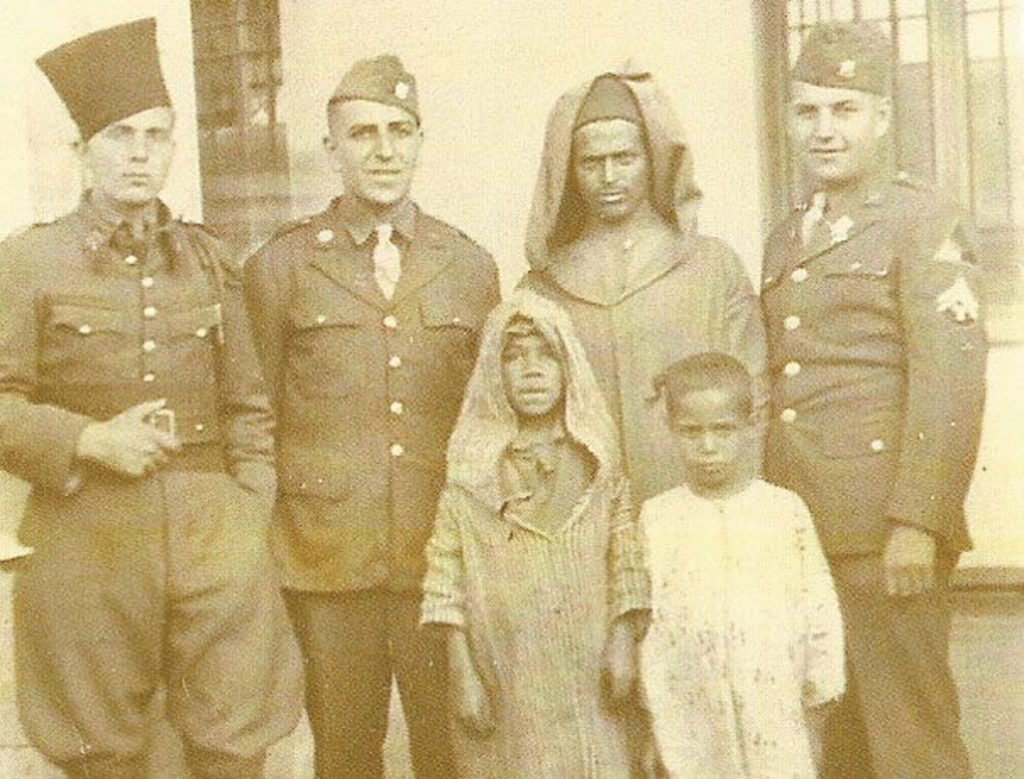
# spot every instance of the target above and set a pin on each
(705, 371)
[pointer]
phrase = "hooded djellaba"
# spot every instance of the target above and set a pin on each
(536, 601)
(641, 296)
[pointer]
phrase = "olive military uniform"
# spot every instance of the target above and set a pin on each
(366, 391)
(162, 578)
(877, 359)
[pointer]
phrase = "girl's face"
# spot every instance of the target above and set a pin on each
(532, 374)
(714, 434)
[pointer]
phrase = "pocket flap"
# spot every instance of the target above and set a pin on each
(86, 319)
(864, 267)
(862, 439)
(311, 318)
(195, 321)
(443, 311)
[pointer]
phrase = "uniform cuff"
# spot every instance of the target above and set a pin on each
(441, 614)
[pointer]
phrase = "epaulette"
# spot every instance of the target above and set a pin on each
(279, 232)
(288, 227)
(203, 227)
(440, 227)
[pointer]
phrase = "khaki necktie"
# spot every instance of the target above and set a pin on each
(387, 261)
(814, 217)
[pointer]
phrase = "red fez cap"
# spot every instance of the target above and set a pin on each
(608, 98)
(852, 55)
(382, 79)
(108, 75)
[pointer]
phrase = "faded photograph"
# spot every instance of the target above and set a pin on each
(533, 389)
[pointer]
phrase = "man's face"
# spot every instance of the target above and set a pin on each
(610, 168)
(375, 147)
(128, 160)
(532, 375)
(713, 431)
(837, 132)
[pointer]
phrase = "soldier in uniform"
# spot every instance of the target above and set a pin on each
(132, 401)
(877, 361)
(367, 316)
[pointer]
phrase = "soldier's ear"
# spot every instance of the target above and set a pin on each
(331, 150)
(883, 115)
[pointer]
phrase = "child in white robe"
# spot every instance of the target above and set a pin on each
(745, 646)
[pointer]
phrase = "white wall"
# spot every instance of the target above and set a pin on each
(40, 181)
(489, 72)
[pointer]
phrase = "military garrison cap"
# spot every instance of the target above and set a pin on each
(108, 75)
(852, 55)
(382, 79)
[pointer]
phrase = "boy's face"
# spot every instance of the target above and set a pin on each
(714, 432)
(532, 374)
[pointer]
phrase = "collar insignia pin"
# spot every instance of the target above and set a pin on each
(325, 236)
(840, 229)
(847, 69)
(401, 90)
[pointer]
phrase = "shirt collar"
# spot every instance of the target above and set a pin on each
(103, 221)
(360, 221)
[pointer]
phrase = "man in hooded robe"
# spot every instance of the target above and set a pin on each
(610, 238)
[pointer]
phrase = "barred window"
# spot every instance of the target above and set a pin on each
(242, 145)
(958, 102)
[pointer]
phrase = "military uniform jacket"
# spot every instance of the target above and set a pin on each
(366, 389)
(89, 328)
(877, 360)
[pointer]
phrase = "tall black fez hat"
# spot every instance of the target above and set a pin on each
(853, 55)
(108, 75)
(382, 79)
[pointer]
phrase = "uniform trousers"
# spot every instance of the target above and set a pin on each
(900, 716)
(353, 643)
(168, 581)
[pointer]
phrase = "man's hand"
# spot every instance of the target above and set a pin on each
(909, 561)
(620, 663)
(471, 705)
(128, 444)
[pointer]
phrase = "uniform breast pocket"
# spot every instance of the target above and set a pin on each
(858, 300)
(451, 330)
(192, 333)
(86, 343)
(326, 352)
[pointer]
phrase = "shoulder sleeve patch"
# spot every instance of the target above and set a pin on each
(958, 301)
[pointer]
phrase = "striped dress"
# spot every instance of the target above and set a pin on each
(536, 607)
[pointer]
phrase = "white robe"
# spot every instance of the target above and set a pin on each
(745, 634)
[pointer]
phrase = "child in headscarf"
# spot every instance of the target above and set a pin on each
(535, 564)
(745, 645)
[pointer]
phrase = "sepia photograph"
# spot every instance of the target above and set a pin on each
(541, 389)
